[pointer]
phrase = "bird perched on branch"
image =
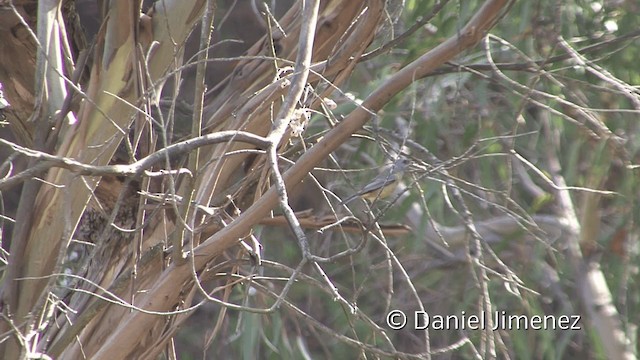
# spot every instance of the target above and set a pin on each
(382, 185)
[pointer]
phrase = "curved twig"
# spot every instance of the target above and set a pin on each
(134, 169)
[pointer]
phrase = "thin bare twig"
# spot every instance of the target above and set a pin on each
(134, 169)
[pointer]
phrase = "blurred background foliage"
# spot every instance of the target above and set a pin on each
(517, 92)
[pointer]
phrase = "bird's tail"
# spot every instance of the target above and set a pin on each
(349, 199)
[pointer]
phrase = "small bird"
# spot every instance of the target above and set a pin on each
(382, 185)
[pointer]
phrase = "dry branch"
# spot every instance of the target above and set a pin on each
(162, 295)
